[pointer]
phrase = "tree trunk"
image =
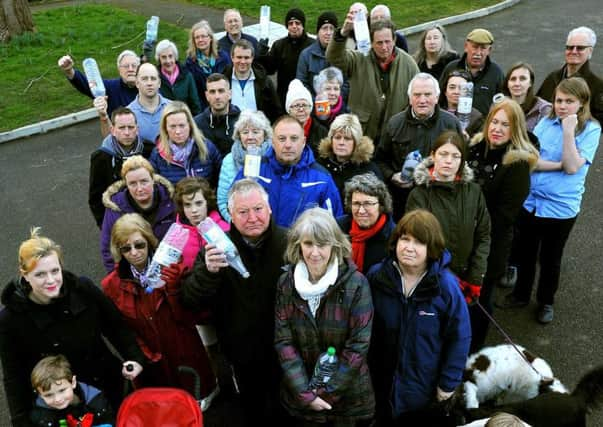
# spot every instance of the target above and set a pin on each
(15, 19)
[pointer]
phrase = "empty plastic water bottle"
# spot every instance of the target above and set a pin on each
(325, 368)
(213, 234)
(465, 104)
(361, 32)
(167, 253)
(95, 81)
(264, 22)
(253, 160)
(152, 29)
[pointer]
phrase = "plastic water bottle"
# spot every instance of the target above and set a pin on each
(253, 160)
(167, 253)
(465, 104)
(264, 22)
(322, 107)
(325, 368)
(361, 32)
(95, 81)
(410, 163)
(152, 28)
(213, 234)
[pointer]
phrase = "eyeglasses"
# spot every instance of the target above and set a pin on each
(129, 66)
(300, 106)
(137, 245)
(578, 48)
(366, 205)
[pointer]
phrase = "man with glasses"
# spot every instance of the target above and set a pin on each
(487, 75)
(579, 48)
(120, 92)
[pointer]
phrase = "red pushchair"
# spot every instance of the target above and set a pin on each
(161, 407)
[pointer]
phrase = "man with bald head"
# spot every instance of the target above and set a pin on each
(579, 48)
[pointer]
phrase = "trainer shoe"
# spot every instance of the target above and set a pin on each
(545, 314)
(511, 301)
(509, 278)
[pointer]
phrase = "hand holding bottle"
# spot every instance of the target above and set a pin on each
(319, 404)
(215, 258)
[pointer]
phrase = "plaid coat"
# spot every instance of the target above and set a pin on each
(343, 320)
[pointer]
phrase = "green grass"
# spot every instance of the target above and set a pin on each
(32, 86)
(405, 13)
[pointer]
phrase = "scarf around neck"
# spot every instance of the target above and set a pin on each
(359, 236)
(181, 153)
(312, 293)
(238, 152)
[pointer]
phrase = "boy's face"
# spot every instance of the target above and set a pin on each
(60, 395)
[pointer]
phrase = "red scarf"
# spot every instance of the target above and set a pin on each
(386, 64)
(359, 237)
(307, 127)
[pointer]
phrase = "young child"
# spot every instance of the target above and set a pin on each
(61, 397)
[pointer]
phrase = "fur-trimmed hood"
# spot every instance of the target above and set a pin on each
(422, 174)
(117, 186)
(362, 153)
(511, 155)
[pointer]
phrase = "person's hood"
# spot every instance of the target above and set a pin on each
(422, 174)
(362, 153)
(109, 196)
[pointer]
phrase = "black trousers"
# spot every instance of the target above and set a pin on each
(541, 240)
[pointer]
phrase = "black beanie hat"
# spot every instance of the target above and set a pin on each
(295, 14)
(326, 18)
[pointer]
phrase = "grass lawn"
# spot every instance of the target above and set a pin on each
(33, 88)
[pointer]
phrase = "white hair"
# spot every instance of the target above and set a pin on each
(164, 45)
(381, 7)
(125, 53)
(424, 76)
(592, 37)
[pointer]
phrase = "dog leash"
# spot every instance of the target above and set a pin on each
(510, 341)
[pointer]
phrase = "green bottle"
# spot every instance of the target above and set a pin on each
(63, 423)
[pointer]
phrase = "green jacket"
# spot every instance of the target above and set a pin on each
(367, 99)
(461, 209)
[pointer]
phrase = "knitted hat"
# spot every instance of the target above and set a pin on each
(326, 18)
(295, 14)
(297, 91)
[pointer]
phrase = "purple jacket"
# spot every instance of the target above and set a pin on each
(117, 203)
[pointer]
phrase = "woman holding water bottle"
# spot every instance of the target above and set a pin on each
(165, 330)
(323, 301)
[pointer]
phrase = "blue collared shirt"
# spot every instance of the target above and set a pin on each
(148, 122)
(556, 194)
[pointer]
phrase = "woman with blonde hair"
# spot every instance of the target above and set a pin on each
(569, 138)
(203, 57)
(502, 158)
(182, 150)
(434, 51)
(323, 301)
(140, 190)
(48, 311)
(165, 330)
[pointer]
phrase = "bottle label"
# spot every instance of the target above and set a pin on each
(252, 165)
(322, 108)
(465, 105)
(166, 254)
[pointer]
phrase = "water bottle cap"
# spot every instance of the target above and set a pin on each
(331, 351)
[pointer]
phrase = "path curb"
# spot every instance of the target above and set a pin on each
(88, 114)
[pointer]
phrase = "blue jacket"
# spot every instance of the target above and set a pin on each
(200, 76)
(312, 60)
(119, 94)
(420, 342)
(293, 189)
(194, 166)
(219, 129)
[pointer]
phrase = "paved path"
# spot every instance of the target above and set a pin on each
(44, 182)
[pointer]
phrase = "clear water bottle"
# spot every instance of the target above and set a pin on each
(152, 29)
(361, 32)
(264, 22)
(465, 104)
(213, 234)
(322, 107)
(167, 253)
(253, 161)
(410, 163)
(95, 81)
(325, 368)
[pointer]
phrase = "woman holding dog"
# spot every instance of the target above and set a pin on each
(569, 138)
(421, 330)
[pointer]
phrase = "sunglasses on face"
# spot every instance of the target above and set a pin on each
(137, 245)
(578, 48)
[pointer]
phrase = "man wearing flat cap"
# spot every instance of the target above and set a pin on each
(284, 53)
(488, 77)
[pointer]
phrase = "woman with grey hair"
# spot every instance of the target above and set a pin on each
(323, 301)
(346, 152)
(434, 51)
(368, 220)
(252, 129)
(177, 82)
(329, 84)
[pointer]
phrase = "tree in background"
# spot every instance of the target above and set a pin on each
(15, 19)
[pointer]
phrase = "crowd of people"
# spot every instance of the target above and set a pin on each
(369, 217)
